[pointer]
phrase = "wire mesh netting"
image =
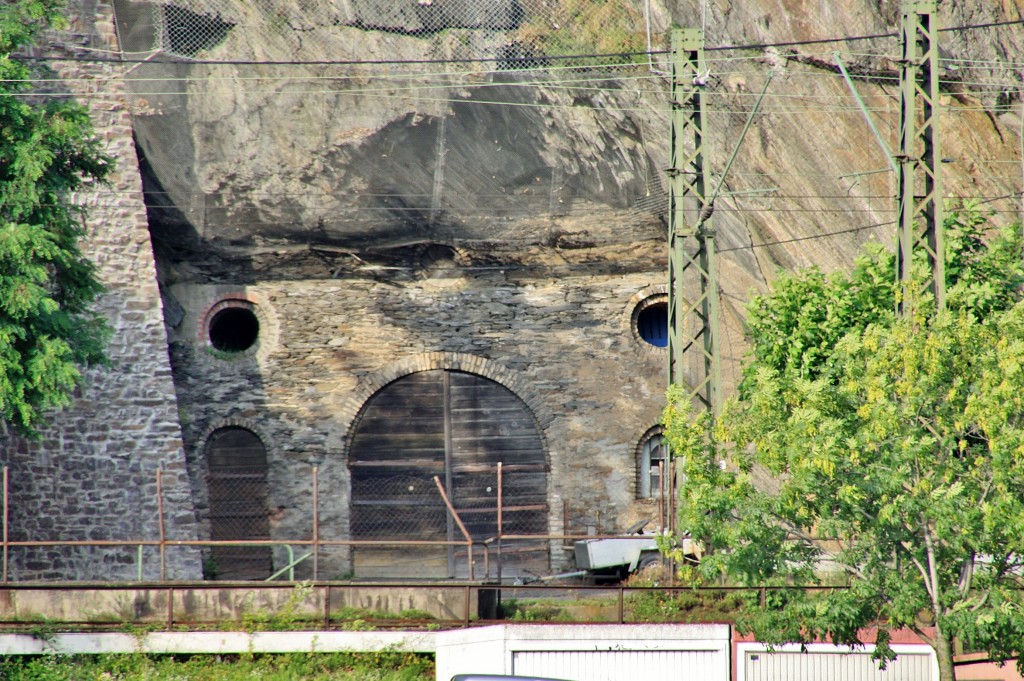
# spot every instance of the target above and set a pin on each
(419, 537)
(398, 507)
(393, 526)
(389, 511)
(238, 512)
(518, 33)
(838, 181)
(74, 523)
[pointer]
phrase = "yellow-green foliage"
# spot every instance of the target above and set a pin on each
(572, 27)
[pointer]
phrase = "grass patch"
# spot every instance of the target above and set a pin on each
(541, 610)
(385, 666)
(687, 606)
(651, 601)
(683, 605)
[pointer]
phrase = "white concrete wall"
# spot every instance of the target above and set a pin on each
(588, 653)
(217, 642)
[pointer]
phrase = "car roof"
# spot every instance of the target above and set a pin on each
(500, 677)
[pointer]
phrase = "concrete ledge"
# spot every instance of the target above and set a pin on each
(219, 604)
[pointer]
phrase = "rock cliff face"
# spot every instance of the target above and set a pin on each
(259, 163)
(386, 213)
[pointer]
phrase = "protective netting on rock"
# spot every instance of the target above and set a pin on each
(515, 34)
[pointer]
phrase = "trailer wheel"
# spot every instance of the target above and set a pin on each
(648, 560)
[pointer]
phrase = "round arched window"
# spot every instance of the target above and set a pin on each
(233, 326)
(650, 320)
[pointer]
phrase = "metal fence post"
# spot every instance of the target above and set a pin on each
(501, 484)
(327, 607)
(6, 512)
(458, 521)
(170, 609)
(316, 522)
(160, 521)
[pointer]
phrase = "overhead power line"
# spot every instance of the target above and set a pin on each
(630, 58)
(810, 237)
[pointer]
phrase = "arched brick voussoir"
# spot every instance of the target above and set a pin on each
(452, 361)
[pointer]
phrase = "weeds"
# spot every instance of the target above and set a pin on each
(383, 666)
(287, 617)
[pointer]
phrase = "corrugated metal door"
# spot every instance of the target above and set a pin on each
(457, 426)
(624, 665)
(825, 666)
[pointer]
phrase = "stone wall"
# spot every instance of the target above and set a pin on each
(92, 476)
(563, 343)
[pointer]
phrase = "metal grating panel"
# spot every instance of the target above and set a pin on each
(239, 510)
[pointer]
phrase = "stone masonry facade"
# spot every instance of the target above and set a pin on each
(92, 476)
(566, 346)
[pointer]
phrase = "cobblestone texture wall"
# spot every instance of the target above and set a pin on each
(564, 344)
(93, 474)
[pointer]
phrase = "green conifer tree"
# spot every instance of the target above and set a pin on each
(48, 151)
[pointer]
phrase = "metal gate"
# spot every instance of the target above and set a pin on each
(458, 427)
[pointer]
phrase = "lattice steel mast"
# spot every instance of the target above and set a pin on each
(692, 324)
(919, 182)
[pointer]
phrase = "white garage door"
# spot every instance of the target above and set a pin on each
(833, 666)
(623, 665)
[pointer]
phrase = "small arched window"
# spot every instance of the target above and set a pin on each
(651, 455)
(237, 485)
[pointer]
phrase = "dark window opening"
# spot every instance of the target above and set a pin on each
(187, 33)
(238, 496)
(652, 324)
(438, 260)
(234, 329)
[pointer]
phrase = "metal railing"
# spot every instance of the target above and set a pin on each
(494, 553)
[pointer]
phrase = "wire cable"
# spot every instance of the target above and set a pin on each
(639, 58)
(810, 237)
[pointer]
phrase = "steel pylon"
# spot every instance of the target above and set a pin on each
(919, 181)
(692, 317)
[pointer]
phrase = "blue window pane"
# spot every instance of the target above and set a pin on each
(652, 325)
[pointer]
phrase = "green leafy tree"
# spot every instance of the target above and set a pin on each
(47, 152)
(883, 452)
